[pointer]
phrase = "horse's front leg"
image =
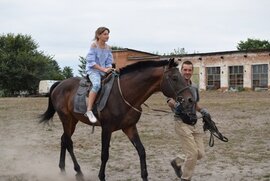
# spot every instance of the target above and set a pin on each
(134, 137)
(106, 137)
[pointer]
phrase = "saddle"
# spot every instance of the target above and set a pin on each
(81, 96)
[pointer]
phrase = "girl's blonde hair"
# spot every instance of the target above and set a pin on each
(99, 31)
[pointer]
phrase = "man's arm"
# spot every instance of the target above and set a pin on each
(203, 111)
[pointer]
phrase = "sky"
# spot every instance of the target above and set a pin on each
(65, 29)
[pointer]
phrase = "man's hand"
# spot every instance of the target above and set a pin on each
(171, 102)
(205, 113)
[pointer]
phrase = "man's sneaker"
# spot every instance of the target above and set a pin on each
(177, 169)
(91, 116)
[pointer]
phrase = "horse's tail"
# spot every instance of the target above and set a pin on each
(46, 116)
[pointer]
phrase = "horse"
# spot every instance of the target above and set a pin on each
(132, 87)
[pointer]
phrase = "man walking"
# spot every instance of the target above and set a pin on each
(190, 134)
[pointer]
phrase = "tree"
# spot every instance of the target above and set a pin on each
(177, 51)
(23, 66)
(67, 72)
(253, 44)
(82, 66)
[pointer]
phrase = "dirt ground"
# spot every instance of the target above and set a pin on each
(30, 151)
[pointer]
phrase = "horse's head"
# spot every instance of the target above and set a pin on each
(174, 86)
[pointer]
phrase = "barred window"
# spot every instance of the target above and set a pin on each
(260, 76)
(213, 78)
(236, 75)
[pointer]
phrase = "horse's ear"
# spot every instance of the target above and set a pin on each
(171, 62)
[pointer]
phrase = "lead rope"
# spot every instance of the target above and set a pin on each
(119, 86)
(210, 125)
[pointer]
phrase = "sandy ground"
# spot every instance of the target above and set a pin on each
(30, 151)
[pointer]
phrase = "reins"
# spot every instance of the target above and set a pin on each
(210, 125)
(140, 111)
(134, 108)
(156, 110)
(119, 87)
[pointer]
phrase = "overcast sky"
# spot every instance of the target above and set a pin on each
(65, 28)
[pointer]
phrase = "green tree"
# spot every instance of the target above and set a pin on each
(117, 48)
(82, 66)
(23, 66)
(67, 72)
(253, 44)
(177, 51)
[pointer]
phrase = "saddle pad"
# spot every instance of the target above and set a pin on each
(105, 92)
(80, 98)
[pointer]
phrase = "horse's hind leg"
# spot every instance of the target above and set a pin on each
(134, 137)
(67, 144)
(69, 147)
(62, 153)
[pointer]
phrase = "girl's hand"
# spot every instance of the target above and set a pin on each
(108, 70)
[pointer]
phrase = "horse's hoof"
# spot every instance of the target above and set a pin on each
(63, 172)
(79, 177)
(102, 179)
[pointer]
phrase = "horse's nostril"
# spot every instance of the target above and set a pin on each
(180, 99)
(190, 100)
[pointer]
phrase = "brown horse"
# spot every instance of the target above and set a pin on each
(134, 85)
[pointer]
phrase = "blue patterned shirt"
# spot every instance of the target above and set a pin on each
(101, 56)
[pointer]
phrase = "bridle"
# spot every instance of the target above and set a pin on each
(176, 93)
(178, 96)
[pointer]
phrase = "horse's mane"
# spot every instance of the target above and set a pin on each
(143, 65)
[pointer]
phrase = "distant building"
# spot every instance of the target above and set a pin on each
(228, 70)
(129, 56)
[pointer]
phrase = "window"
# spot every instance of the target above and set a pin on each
(213, 78)
(260, 76)
(236, 75)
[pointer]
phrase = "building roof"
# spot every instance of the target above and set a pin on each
(128, 49)
(149, 56)
(219, 53)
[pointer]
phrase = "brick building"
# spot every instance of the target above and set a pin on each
(229, 70)
(128, 56)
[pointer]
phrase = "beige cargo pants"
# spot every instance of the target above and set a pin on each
(191, 142)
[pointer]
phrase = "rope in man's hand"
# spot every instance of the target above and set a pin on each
(210, 125)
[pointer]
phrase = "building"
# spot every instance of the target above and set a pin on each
(128, 56)
(228, 70)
